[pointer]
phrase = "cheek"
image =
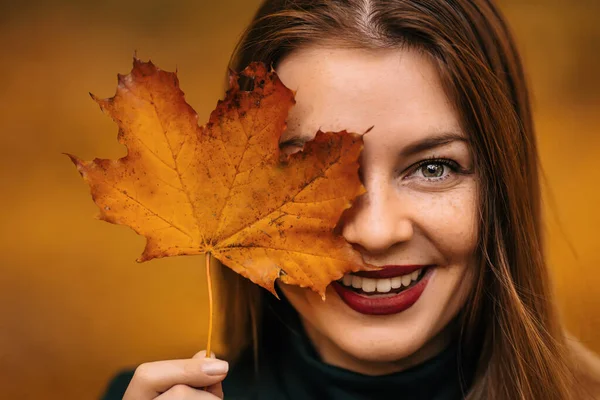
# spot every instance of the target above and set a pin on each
(449, 222)
(454, 233)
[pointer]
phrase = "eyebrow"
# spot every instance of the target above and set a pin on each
(410, 150)
(432, 142)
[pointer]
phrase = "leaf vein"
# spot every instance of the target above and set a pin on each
(260, 218)
(181, 180)
(150, 210)
(236, 173)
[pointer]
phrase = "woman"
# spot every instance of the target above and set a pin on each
(463, 307)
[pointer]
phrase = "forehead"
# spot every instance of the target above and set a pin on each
(397, 92)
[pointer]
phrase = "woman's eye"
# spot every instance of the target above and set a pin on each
(434, 170)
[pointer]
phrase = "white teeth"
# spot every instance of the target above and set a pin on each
(396, 282)
(369, 285)
(406, 280)
(356, 282)
(347, 280)
(384, 285)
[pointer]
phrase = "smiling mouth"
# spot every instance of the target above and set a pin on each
(386, 291)
(382, 286)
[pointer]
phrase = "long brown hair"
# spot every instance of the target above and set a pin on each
(510, 312)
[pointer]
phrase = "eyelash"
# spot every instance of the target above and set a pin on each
(292, 142)
(451, 164)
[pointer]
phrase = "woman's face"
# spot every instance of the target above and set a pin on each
(419, 210)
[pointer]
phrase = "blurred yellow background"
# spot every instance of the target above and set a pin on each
(75, 307)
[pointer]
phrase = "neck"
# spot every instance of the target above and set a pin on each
(332, 354)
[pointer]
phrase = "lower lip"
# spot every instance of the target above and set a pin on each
(383, 305)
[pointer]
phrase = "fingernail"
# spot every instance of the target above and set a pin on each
(211, 366)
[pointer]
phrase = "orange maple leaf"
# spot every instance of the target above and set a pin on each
(224, 188)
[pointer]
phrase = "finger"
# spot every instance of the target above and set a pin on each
(183, 392)
(154, 378)
(216, 389)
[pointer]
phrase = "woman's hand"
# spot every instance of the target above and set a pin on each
(197, 378)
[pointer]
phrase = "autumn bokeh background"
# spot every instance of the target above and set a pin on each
(74, 305)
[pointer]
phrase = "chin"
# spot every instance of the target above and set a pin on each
(384, 346)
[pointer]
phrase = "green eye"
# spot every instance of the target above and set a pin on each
(433, 170)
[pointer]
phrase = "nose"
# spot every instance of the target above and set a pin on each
(377, 220)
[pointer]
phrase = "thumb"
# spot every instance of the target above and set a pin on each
(217, 388)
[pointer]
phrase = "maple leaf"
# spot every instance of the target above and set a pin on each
(225, 188)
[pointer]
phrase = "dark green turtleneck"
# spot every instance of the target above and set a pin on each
(290, 369)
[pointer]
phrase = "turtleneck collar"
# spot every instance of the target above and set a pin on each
(436, 378)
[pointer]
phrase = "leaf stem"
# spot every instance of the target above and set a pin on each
(207, 257)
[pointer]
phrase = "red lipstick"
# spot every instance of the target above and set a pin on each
(385, 303)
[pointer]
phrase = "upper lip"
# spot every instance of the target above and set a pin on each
(389, 271)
